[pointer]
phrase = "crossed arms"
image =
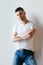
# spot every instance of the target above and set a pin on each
(16, 37)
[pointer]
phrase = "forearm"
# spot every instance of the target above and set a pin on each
(24, 37)
(29, 35)
(16, 39)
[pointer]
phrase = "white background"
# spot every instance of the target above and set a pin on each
(34, 9)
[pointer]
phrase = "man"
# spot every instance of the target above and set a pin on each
(23, 36)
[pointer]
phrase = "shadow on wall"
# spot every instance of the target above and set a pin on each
(38, 40)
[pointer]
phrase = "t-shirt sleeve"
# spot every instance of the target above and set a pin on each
(14, 28)
(32, 26)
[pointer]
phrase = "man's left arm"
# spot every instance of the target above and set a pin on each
(32, 32)
(29, 34)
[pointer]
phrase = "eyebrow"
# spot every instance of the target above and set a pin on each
(19, 14)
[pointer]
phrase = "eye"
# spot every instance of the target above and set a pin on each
(20, 13)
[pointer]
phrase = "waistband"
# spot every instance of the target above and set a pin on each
(26, 50)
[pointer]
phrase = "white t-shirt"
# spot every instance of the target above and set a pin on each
(22, 29)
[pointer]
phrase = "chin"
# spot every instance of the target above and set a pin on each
(21, 19)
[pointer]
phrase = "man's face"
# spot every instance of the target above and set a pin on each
(20, 14)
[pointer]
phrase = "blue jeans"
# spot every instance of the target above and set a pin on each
(24, 56)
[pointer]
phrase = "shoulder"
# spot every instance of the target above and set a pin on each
(33, 24)
(15, 26)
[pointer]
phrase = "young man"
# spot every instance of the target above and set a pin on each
(23, 37)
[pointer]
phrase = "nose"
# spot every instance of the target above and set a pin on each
(20, 16)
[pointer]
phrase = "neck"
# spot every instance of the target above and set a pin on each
(25, 20)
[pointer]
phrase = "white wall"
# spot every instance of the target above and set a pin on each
(34, 9)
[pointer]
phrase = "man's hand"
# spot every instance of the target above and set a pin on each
(16, 37)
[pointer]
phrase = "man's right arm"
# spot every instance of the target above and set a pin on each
(15, 37)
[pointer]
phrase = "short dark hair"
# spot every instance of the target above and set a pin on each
(18, 9)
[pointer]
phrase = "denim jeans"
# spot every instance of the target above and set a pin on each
(24, 56)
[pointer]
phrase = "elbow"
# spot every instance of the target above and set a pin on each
(32, 33)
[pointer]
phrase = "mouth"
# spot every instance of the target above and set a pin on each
(21, 18)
